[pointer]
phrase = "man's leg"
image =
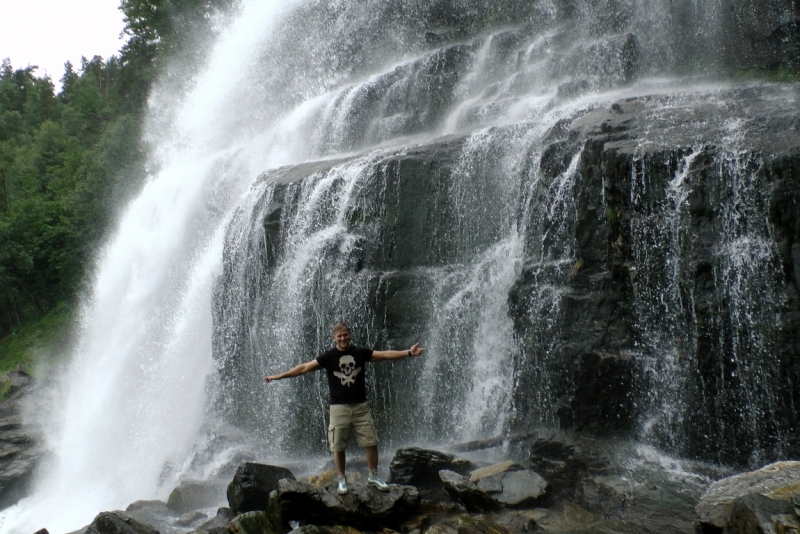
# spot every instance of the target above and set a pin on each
(365, 435)
(340, 461)
(338, 434)
(372, 458)
(372, 463)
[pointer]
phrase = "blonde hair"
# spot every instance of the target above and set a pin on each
(338, 327)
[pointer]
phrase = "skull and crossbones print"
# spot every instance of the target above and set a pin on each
(349, 370)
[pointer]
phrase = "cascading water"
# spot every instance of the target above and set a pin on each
(418, 169)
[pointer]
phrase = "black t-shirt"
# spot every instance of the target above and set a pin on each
(346, 373)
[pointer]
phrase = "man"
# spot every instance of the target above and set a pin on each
(344, 365)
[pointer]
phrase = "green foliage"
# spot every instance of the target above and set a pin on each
(38, 342)
(67, 160)
(56, 182)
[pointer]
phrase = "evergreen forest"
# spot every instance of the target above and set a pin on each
(68, 159)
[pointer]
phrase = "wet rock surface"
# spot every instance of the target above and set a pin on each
(194, 494)
(747, 502)
(260, 522)
(251, 485)
(564, 459)
(217, 524)
(19, 451)
(363, 507)
(460, 488)
(514, 488)
(654, 186)
(118, 523)
(614, 487)
(646, 183)
(420, 467)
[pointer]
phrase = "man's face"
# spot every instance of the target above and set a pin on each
(342, 339)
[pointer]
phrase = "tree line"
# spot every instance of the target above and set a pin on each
(69, 158)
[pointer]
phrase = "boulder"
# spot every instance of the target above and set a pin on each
(738, 499)
(157, 505)
(259, 522)
(495, 469)
(150, 512)
(517, 488)
(249, 490)
(118, 523)
(757, 513)
(190, 518)
(419, 467)
(461, 489)
(364, 507)
(217, 524)
(195, 494)
(564, 459)
(325, 478)
(649, 498)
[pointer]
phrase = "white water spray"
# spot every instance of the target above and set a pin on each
(132, 399)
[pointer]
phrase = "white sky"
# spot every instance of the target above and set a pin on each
(49, 32)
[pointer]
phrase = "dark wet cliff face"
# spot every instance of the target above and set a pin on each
(680, 318)
(575, 244)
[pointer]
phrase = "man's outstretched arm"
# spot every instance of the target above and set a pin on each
(301, 369)
(377, 355)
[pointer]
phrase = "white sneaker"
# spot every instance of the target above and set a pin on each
(379, 484)
(342, 486)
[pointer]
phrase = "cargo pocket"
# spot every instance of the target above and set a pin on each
(331, 434)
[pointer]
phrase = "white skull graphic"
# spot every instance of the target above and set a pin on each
(347, 364)
(349, 370)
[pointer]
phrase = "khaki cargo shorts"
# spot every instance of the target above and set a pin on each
(351, 416)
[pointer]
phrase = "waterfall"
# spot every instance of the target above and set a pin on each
(132, 400)
(418, 170)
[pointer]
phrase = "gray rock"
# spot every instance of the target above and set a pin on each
(420, 467)
(520, 488)
(564, 459)
(490, 484)
(251, 485)
(190, 518)
(494, 469)
(757, 513)
(461, 489)
(196, 494)
(363, 507)
(597, 312)
(218, 523)
(118, 523)
(774, 482)
(260, 522)
(154, 505)
(151, 512)
(19, 454)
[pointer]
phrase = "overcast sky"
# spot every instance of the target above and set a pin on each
(49, 32)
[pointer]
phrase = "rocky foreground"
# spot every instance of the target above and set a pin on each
(571, 484)
(557, 481)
